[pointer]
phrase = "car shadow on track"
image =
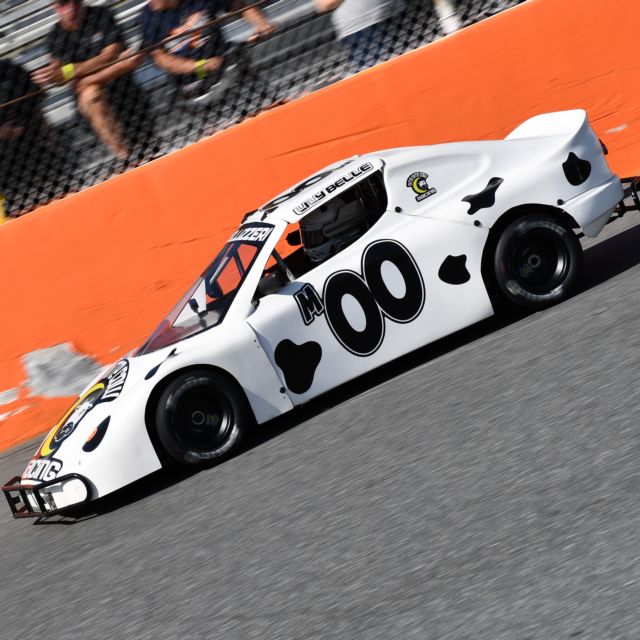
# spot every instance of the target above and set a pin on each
(611, 257)
(603, 261)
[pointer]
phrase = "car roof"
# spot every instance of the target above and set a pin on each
(305, 197)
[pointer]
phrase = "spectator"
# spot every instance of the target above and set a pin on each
(192, 55)
(447, 16)
(363, 26)
(30, 153)
(17, 118)
(85, 39)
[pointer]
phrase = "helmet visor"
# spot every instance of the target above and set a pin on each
(312, 238)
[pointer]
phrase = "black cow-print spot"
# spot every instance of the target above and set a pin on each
(454, 270)
(576, 170)
(298, 363)
(485, 198)
(97, 437)
(152, 372)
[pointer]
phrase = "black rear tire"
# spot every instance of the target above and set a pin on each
(201, 418)
(537, 261)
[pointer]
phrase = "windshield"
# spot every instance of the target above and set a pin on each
(208, 300)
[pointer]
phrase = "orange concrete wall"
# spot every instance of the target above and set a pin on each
(100, 268)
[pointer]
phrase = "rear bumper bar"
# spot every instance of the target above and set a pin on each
(631, 188)
(34, 501)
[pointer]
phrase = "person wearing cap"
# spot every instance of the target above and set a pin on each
(88, 50)
(196, 48)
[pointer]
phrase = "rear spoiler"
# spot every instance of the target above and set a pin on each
(559, 123)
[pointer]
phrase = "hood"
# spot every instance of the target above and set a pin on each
(85, 420)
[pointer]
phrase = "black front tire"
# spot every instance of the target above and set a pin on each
(537, 261)
(201, 418)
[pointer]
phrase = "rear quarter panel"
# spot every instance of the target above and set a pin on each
(477, 182)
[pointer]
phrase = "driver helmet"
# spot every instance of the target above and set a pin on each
(333, 227)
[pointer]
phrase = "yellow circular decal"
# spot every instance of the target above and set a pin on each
(66, 425)
(416, 185)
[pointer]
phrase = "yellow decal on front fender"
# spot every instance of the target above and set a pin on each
(65, 426)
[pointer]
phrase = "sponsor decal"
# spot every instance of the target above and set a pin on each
(341, 182)
(417, 182)
(107, 390)
(270, 207)
(309, 202)
(114, 381)
(252, 234)
(74, 419)
(42, 469)
(309, 303)
(364, 168)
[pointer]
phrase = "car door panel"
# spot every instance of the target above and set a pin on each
(406, 282)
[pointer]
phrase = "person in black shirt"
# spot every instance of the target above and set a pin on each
(31, 156)
(191, 55)
(17, 118)
(81, 43)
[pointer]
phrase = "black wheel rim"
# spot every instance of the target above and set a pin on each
(539, 261)
(203, 419)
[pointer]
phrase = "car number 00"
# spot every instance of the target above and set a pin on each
(374, 296)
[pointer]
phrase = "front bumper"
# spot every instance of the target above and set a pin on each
(46, 499)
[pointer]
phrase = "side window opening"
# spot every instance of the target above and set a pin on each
(331, 228)
(344, 219)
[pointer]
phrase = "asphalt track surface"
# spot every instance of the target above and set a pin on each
(483, 487)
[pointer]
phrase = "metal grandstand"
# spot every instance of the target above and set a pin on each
(301, 56)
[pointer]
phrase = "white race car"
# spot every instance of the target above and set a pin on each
(394, 250)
